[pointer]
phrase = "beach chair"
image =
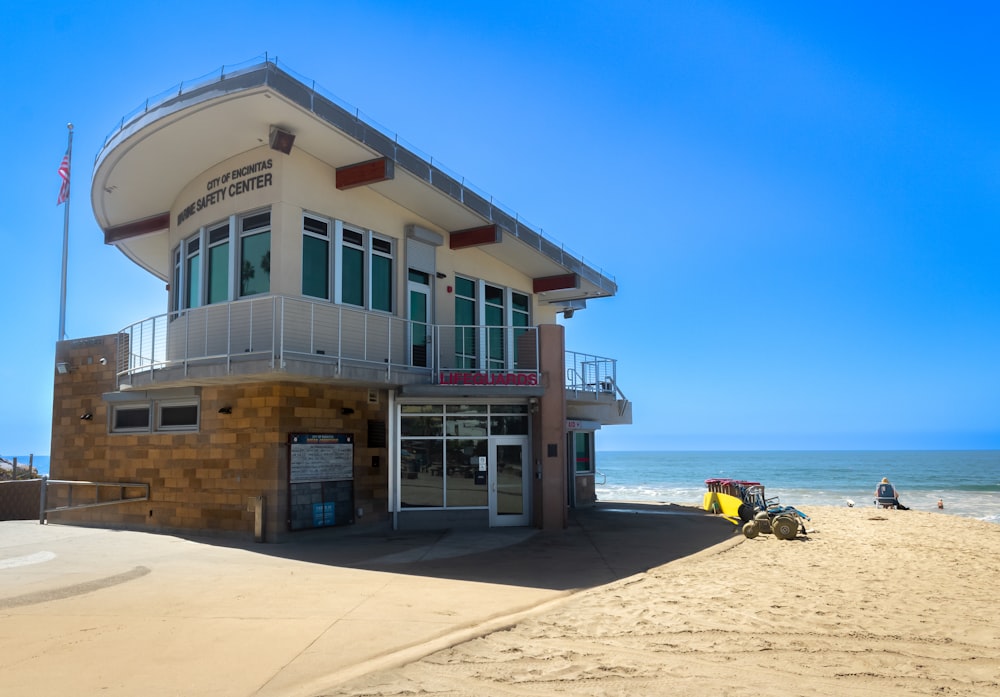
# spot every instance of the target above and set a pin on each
(885, 496)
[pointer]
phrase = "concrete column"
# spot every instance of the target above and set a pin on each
(550, 431)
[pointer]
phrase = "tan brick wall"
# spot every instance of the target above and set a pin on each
(201, 481)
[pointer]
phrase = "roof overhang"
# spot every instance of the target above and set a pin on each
(147, 162)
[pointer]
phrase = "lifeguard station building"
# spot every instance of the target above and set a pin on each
(352, 335)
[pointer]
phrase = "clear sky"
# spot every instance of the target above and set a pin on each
(800, 201)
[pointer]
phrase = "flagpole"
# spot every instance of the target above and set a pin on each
(65, 248)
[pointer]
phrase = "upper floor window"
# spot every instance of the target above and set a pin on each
(316, 257)
(203, 264)
(218, 263)
(347, 264)
(490, 319)
(366, 269)
(255, 254)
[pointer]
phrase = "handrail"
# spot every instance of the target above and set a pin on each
(44, 509)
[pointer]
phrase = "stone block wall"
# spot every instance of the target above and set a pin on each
(202, 481)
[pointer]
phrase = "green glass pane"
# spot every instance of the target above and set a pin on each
(465, 311)
(465, 287)
(194, 281)
(353, 277)
(315, 268)
(218, 273)
(519, 302)
(381, 283)
(494, 316)
(255, 264)
(495, 344)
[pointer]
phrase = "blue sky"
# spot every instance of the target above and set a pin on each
(800, 201)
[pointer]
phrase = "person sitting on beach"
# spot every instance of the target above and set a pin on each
(886, 495)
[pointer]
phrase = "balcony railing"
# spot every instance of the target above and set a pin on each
(266, 333)
(596, 375)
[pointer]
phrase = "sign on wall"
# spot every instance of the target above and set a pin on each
(321, 457)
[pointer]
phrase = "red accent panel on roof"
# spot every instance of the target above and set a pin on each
(563, 282)
(362, 173)
(155, 223)
(475, 236)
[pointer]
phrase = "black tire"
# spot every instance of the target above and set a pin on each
(745, 512)
(785, 527)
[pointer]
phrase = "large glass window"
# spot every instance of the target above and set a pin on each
(366, 270)
(255, 254)
(443, 451)
(489, 320)
(316, 257)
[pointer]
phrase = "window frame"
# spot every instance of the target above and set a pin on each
(372, 246)
(479, 358)
(154, 410)
(328, 240)
(244, 234)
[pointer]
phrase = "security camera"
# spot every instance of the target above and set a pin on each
(104, 361)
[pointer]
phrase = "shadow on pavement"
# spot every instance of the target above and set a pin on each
(601, 544)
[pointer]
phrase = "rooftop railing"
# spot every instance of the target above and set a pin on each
(331, 108)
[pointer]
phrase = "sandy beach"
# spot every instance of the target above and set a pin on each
(869, 602)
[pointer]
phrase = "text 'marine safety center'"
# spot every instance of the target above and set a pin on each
(354, 336)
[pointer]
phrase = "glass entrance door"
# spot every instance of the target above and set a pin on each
(509, 477)
(420, 336)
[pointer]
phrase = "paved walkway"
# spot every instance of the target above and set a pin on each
(92, 611)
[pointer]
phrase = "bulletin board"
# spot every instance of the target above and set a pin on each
(320, 480)
(321, 457)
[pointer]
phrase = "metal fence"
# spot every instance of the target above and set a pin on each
(588, 373)
(275, 329)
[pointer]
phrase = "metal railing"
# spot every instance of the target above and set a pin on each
(592, 374)
(63, 495)
(276, 329)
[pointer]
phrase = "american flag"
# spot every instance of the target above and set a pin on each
(64, 173)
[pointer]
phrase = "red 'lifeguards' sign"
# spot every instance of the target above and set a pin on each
(520, 379)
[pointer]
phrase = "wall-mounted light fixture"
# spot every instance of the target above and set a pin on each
(225, 410)
(346, 411)
(62, 367)
(86, 416)
(281, 140)
(441, 275)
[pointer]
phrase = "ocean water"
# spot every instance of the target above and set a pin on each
(966, 481)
